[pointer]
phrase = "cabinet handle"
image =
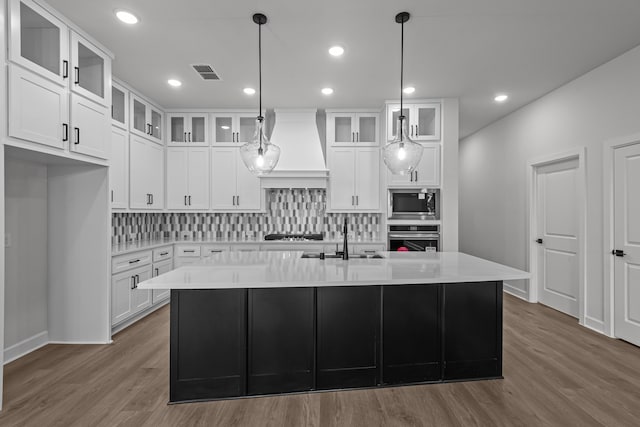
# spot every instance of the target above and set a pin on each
(164, 253)
(357, 200)
(151, 198)
(353, 136)
(416, 174)
(77, 136)
(189, 200)
(358, 136)
(238, 200)
(157, 272)
(416, 130)
(77, 70)
(151, 130)
(185, 137)
(353, 201)
(134, 261)
(411, 130)
(233, 200)
(189, 251)
(65, 69)
(65, 129)
(189, 136)
(185, 200)
(137, 280)
(111, 196)
(133, 282)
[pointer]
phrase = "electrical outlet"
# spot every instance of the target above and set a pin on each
(7, 240)
(186, 235)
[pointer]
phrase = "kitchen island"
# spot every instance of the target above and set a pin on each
(256, 323)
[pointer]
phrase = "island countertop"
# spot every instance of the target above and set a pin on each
(286, 269)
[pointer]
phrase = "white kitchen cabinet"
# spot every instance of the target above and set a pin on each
(427, 173)
(91, 67)
(188, 129)
(126, 299)
(233, 187)
(119, 106)
(354, 183)
(91, 124)
(38, 109)
(146, 119)
(159, 295)
(141, 298)
(346, 128)
(233, 128)
(38, 40)
(422, 121)
(118, 168)
(187, 178)
(146, 174)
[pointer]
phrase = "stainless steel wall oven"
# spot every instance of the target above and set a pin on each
(414, 237)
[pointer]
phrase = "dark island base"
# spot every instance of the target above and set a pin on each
(229, 343)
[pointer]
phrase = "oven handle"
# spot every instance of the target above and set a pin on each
(414, 236)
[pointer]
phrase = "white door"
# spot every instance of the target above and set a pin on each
(198, 178)
(121, 303)
(367, 179)
(91, 124)
(248, 190)
(342, 179)
(557, 225)
(177, 189)
(118, 168)
(223, 178)
(627, 240)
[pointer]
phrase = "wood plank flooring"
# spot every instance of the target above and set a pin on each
(557, 373)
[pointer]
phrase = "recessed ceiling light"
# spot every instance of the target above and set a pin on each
(409, 89)
(336, 50)
(225, 127)
(174, 82)
(249, 90)
(327, 91)
(126, 17)
(501, 98)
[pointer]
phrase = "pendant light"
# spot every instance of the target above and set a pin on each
(259, 155)
(402, 155)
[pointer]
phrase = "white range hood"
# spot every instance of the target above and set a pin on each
(301, 163)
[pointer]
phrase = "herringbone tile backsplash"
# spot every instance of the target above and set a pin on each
(287, 211)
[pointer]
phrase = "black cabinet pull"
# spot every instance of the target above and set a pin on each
(134, 261)
(65, 69)
(77, 81)
(189, 251)
(185, 200)
(133, 282)
(185, 137)
(151, 129)
(157, 272)
(189, 200)
(151, 198)
(65, 129)
(111, 196)
(164, 253)
(539, 241)
(416, 176)
(238, 200)
(357, 200)
(77, 136)
(189, 136)
(148, 198)
(357, 136)
(353, 136)
(618, 252)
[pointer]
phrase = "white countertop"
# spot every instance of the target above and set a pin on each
(282, 269)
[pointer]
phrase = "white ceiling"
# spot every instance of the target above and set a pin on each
(471, 49)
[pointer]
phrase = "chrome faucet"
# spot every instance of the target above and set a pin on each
(345, 245)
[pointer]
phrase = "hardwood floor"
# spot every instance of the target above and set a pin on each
(556, 373)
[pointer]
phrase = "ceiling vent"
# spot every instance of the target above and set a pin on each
(206, 72)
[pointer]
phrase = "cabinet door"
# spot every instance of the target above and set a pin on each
(425, 122)
(177, 129)
(348, 321)
(398, 180)
(341, 179)
(342, 128)
(281, 344)
(411, 334)
(223, 178)
(138, 124)
(249, 190)
(38, 109)
(393, 112)
(156, 119)
(223, 129)
(159, 295)
(245, 127)
(198, 178)
(156, 175)
(121, 297)
(91, 70)
(39, 40)
(119, 106)
(91, 124)
(118, 170)
(198, 130)
(141, 298)
(177, 184)
(145, 166)
(367, 179)
(367, 129)
(428, 171)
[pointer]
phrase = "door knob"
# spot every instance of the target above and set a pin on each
(539, 241)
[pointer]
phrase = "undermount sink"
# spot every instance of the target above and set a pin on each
(336, 256)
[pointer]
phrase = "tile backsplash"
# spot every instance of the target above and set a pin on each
(287, 211)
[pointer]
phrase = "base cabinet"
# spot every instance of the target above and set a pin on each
(126, 299)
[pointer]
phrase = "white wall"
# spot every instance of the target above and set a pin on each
(602, 104)
(26, 253)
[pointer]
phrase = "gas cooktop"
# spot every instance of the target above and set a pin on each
(295, 237)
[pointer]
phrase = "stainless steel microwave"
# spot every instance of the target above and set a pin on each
(414, 203)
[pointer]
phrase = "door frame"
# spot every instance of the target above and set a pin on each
(578, 153)
(608, 175)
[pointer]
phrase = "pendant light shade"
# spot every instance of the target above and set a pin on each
(402, 155)
(259, 155)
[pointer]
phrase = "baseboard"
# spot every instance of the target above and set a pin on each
(25, 347)
(119, 327)
(594, 324)
(516, 292)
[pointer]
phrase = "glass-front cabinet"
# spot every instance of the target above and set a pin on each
(38, 38)
(91, 70)
(146, 120)
(119, 106)
(422, 121)
(188, 129)
(348, 128)
(233, 128)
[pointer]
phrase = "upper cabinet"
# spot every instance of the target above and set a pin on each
(426, 174)
(233, 128)
(91, 71)
(423, 121)
(188, 129)
(119, 106)
(354, 179)
(146, 119)
(346, 128)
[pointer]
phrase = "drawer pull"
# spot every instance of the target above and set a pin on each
(134, 261)
(164, 253)
(188, 251)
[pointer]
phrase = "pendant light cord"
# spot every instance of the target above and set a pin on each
(260, 117)
(401, 67)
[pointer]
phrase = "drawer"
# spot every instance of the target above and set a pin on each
(208, 250)
(188, 251)
(368, 248)
(161, 254)
(126, 262)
